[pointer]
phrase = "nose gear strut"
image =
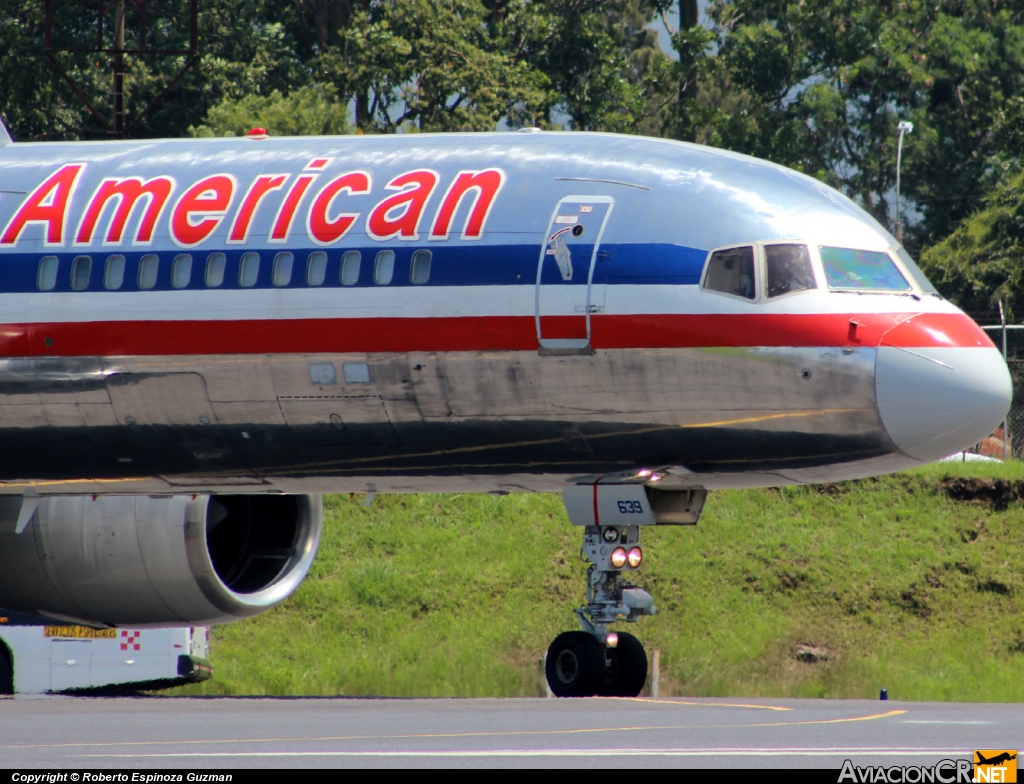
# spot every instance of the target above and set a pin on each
(596, 661)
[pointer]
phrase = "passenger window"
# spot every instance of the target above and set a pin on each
(113, 274)
(249, 270)
(788, 269)
(316, 268)
(731, 272)
(81, 270)
(46, 277)
(149, 265)
(861, 270)
(419, 272)
(283, 268)
(215, 264)
(350, 268)
(384, 267)
(181, 271)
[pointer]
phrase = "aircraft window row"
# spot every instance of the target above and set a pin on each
(788, 268)
(216, 266)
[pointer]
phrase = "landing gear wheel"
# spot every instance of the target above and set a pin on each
(575, 665)
(626, 671)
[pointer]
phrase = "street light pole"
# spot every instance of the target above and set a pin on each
(903, 128)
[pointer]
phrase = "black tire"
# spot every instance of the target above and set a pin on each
(626, 672)
(575, 665)
(6, 671)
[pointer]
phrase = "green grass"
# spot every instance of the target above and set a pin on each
(459, 595)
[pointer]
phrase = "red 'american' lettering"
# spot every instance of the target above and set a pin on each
(261, 186)
(201, 209)
(126, 193)
(122, 206)
(47, 205)
(325, 230)
(399, 215)
(484, 187)
(285, 216)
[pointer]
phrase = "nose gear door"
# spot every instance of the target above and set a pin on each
(565, 272)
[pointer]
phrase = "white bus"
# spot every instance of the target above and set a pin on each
(39, 656)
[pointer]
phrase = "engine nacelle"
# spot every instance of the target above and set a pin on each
(164, 561)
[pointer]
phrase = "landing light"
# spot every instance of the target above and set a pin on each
(619, 557)
(611, 534)
(636, 555)
(612, 640)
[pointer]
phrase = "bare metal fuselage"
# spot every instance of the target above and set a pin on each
(496, 373)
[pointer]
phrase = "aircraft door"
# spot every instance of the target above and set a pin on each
(565, 291)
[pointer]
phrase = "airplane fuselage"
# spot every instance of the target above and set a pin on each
(489, 312)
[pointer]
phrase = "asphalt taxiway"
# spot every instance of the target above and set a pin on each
(179, 733)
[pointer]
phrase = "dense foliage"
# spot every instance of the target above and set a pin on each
(818, 85)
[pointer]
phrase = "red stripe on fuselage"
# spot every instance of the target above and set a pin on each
(489, 333)
(938, 330)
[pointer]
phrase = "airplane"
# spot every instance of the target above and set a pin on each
(199, 337)
(996, 760)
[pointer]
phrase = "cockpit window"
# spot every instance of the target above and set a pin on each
(731, 272)
(847, 269)
(789, 269)
(915, 271)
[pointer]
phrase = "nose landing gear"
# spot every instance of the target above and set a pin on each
(595, 661)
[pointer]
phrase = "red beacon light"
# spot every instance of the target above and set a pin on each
(257, 133)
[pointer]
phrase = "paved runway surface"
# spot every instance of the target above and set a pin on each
(155, 732)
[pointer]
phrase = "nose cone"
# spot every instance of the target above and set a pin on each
(940, 398)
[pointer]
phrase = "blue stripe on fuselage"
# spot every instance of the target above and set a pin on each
(481, 265)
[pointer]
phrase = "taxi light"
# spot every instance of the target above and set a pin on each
(636, 555)
(612, 640)
(619, 557)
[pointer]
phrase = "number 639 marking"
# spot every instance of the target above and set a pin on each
(630, 507)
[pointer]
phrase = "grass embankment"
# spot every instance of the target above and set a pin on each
(889, 582)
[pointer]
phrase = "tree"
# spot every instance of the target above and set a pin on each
(308, 111)
(243, 48)
(432, 65)
(980, 262)
(820, 85)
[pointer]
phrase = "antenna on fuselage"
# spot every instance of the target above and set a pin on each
(5, 137)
